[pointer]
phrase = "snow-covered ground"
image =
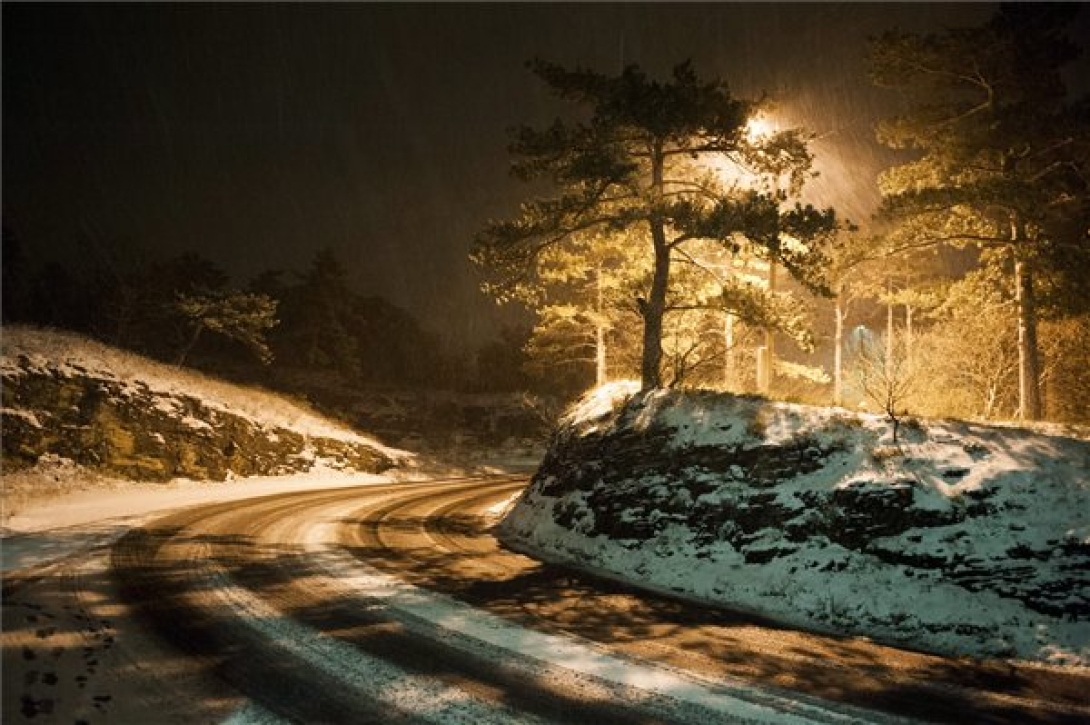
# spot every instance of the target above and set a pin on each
(81, 517)
(91, 517)
(54, 352)
(998, 520)
(658, 689)
(57, 507)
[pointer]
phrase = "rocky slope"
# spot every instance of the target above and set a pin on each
(66, 397)
(963, 539)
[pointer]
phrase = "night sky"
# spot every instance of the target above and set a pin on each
(256, 134)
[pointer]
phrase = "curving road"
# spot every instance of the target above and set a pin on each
(393, 603)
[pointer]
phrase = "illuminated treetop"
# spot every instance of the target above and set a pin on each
(640, 160)
(1003, 157)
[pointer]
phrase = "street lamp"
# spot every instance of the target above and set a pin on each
(759, 127)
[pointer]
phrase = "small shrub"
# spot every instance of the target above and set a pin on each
(881, 454)
(757, 426)
(845, 421)
(912, 425)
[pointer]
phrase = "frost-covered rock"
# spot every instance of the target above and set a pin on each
(120, 415)
(964, 539)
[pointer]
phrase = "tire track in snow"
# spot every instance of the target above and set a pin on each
(422, 698)
(288, 564)
(662, 691)
(712, 645)
(186, 572)
(559, 695)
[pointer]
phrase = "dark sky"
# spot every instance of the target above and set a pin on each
(258, 133)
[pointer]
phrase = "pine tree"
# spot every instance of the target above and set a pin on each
(240, 316)
(969, 355)
(583, 293)
(317, 319)
(1002, 157)
(642, 162)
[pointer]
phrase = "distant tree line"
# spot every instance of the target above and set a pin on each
(300, 330)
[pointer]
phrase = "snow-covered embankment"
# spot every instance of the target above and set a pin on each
(964, 539)
(123, 415)
(79, 414)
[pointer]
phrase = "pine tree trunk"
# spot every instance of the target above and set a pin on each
(599, 332)
(838, 350)
(1029, 387)
(989, 401)
(889, 335)
(909, 312)
(189, 345)
(770, 338)
(654, 307)
(728, 351)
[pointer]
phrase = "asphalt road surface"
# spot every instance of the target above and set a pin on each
(393, 603)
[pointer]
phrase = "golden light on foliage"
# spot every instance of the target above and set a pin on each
(731, 170)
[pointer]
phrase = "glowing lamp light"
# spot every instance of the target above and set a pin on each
(759, 127)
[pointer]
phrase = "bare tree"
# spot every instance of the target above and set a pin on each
(885, 376)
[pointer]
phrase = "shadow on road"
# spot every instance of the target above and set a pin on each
(716, 641)
(173, 575)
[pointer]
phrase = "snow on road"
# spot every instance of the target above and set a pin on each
(253, 714)
(86, 519)
(658, 689)
(371, 677)
(48, 530)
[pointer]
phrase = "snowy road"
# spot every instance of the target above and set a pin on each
(392, 603)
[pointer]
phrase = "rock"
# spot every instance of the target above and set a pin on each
(630, 481)
(128, 431)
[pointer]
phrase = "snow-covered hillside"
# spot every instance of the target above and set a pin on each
(67, 398)
(964, 539)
